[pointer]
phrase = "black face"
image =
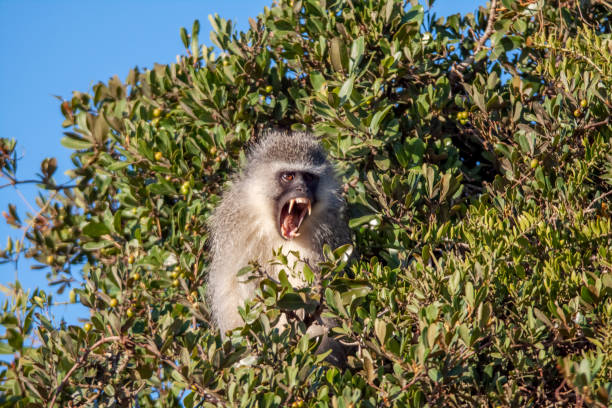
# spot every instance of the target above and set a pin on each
(294, 204)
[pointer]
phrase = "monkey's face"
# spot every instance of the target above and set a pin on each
(294, 203)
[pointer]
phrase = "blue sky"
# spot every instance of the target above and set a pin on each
(54, 47)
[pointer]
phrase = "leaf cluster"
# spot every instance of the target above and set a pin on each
(475, 156)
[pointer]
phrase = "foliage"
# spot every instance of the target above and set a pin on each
(475, 153)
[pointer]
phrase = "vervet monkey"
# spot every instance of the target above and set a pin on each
(286, 197)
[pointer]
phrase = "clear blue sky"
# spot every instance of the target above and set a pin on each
(54, 47)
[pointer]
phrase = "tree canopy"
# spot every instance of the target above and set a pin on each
(475, 153)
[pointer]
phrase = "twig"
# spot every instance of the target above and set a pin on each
(597, 199)
(211, 395)
(457, 71)
(604, 3)
(595, 124)
(78, 364)
(55, 189)
(47, 187)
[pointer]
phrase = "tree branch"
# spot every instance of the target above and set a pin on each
(14, 182)
(457, 71)
(79, 364)
(597, 199)
(596, 124)
(209, 394)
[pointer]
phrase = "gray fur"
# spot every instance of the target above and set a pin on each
(243, 227)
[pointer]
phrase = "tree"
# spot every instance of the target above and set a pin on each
(476, 156)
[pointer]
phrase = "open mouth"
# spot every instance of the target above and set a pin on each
(292, 214)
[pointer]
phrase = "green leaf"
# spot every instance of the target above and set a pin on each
(345, 90)
(184, 37)
(364, 219)
(380, 329)
(5, 348)
(542, 317)
(72, 141)
(317, 81)
(195, 45)
(338, 55)
(119, 165)
(382, 162)
(378, 118)
(95, 229)
(93, 246)
(357, 50)
(588, 296)
(245, 271)
(291, 301)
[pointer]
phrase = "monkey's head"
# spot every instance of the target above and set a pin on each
(295, 185)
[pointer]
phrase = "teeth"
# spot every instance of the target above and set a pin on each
(299, 200)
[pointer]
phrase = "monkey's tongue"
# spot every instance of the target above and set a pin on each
(290, 226)
(292, 215)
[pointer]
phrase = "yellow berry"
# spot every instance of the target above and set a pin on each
(577, 112)
(185, 188)
(451, 48)
(174, 274)
(463, 121)
(213, 150)
(113, 302)
(175, 283)
(157, 112)
(583, 103)
(225, 62)
(159, 156)
(534, 163)
(168, 177)
(131, 259)
(194, 295)
(87, 327)
(136, 277)
(155, 122)
(129, 312)
(50, 259)
(269, 88)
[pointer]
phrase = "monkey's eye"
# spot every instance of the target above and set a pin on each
(287, 177)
